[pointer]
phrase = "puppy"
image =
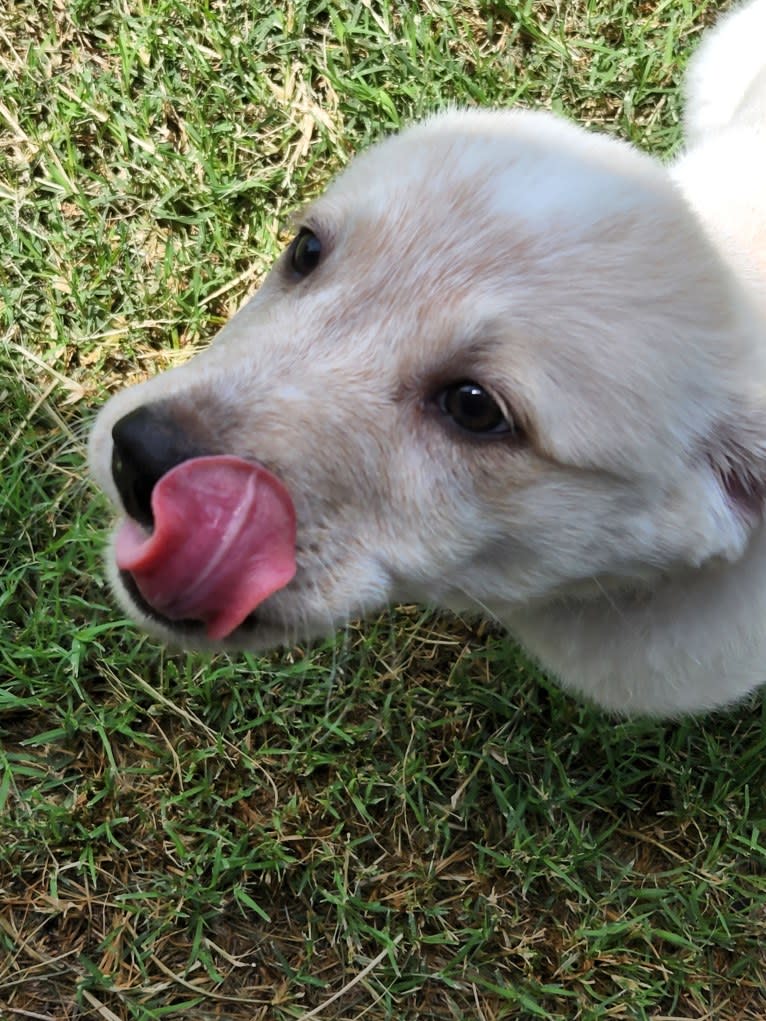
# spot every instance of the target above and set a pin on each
(505, 365)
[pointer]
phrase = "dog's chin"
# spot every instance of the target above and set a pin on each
(257, 633)
(303, 612)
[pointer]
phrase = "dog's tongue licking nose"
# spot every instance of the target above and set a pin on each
(223, 540)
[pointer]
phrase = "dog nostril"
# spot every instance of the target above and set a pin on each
(146, 445)
(134, 488)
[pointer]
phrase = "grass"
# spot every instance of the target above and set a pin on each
(408, 821)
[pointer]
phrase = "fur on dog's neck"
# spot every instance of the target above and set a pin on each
(687, 643)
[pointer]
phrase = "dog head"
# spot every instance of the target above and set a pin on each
(499, 364)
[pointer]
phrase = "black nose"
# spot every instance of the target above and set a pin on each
(146, 445)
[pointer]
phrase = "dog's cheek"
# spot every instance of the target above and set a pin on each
(435, 520)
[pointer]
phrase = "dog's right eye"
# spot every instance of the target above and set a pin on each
(473, 409)
(304, 252)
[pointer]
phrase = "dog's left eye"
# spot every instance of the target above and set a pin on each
(473, 409)
(304, 252)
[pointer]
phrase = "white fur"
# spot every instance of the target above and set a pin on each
(614, 307)
(724, 82)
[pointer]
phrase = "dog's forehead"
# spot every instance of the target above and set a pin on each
(461, 221)
(484, 172)
(418, 236)
(483, 210)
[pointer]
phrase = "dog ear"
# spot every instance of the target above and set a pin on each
(738, 460)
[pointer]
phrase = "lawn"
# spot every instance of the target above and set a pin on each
(408, 821)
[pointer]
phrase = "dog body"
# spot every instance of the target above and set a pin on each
(506, 365)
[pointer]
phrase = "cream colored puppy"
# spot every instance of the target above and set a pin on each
(506, 365)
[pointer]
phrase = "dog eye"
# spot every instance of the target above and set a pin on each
(473, 409)
(304, 252)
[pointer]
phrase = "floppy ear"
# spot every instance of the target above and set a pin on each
(737, 457)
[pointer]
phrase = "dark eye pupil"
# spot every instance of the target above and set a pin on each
(472, 408)
(305, 252)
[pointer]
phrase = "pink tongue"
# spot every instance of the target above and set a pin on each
(223, 540)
